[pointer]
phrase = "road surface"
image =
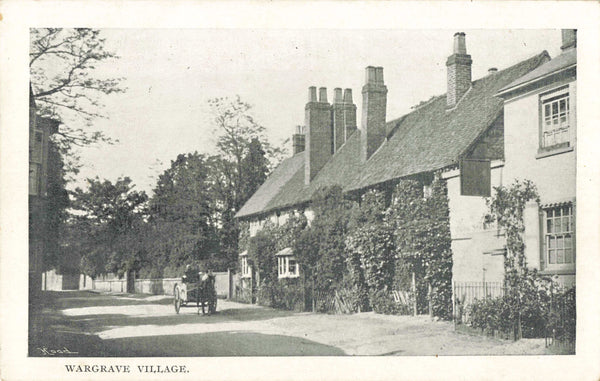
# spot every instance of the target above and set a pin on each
(84, 323)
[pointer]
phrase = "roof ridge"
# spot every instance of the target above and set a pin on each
(435, 97)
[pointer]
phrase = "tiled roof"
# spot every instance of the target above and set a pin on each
(426, 139)
(566, 59)
(281, 177)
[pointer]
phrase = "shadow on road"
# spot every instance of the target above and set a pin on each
(219, 344)
(75, 335)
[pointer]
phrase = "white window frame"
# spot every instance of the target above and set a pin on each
(559, 236)
(556, 123)
(35, 179)
(246, 269)
(283, 267)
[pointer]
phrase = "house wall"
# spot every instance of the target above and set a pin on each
(553, 175)
(474, 245)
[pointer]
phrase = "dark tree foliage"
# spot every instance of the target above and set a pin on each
(106, 217)
(254, 168)
(181, 216)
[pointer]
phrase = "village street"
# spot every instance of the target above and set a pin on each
(83, 323)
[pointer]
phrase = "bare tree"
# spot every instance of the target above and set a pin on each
(65, 83)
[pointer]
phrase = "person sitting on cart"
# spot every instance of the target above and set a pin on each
(191, 275)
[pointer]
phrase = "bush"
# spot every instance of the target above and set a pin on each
(383, 303)
(491, 314)
(542, 314)
(286, 294)
(563, 316)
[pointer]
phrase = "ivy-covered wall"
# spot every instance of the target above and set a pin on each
(354, 254)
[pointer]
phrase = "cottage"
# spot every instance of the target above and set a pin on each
(460, 134)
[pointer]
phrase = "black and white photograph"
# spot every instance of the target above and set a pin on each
(206, 192)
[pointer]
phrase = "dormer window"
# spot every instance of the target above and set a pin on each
(556, 125)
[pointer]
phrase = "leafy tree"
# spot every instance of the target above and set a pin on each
(254, 168)
(244, 155)
(66, 85)
(105, 218)
(181, 214)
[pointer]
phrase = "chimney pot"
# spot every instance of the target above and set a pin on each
(569, 39)
(460, 47)
(492, 70)
(337, 95)
(379, 75)
(370, 75)
(323, 94)
(312, 94)
(348, 96)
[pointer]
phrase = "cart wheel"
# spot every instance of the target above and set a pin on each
(177, 301)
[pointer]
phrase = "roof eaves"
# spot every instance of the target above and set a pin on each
(503, 92)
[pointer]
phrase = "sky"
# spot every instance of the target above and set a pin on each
(170, 74)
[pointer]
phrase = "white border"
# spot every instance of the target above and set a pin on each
(18, 16)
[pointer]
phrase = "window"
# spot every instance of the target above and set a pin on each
(556, 119)
(36, 153)
(559, 235)
(287, 267)
(34, 179)
(246, 270)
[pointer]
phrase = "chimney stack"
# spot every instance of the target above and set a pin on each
(492, 70)
(374, 94)
(298, 140)
(349, 114)
(337, 113)
(569, 39)
(319, 136)
(459, 71)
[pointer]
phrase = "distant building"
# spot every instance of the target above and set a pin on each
(40, 130)
(460, 134)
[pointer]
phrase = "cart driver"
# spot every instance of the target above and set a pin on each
(191, 274)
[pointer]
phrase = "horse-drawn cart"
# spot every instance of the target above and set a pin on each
(198, 291)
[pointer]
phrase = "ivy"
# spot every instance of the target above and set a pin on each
(422, 238)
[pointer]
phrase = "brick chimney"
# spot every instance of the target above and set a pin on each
(459, 71)
(569, 39)
(374, 104)
(298, 140)
(319, 135)
(349, 114)
(337, 112)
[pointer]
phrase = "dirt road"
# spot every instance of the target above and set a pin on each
(93, 324)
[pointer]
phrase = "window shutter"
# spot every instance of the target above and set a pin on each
(475, 177)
